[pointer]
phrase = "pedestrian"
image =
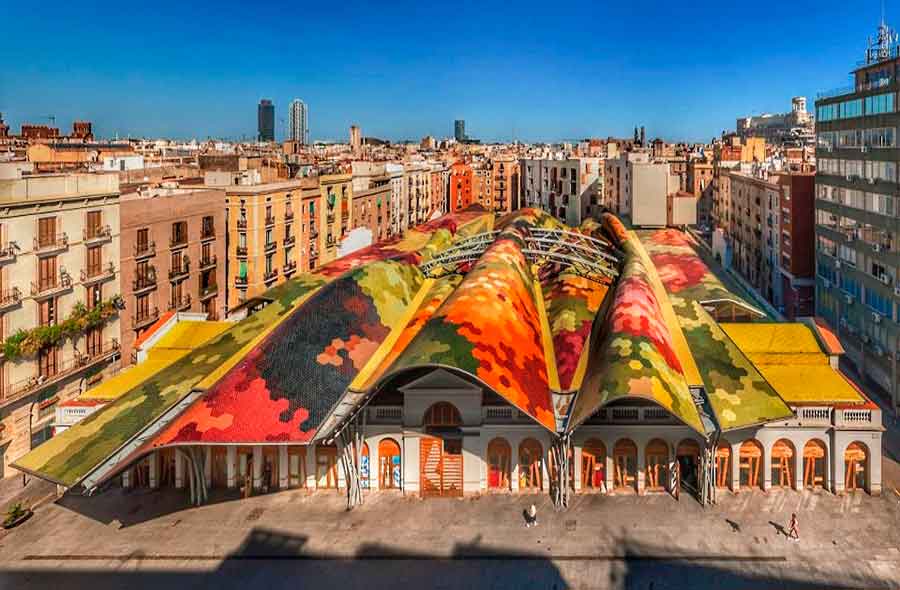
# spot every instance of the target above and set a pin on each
(532, 516)
(794, 528)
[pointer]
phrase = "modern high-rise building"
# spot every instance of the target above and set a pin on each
(298, 122)
(857, 226)
(355, 139)
(265, 117)
(459, 130)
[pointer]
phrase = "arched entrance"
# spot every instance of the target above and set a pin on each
(326, 467)
(751, 464)
(625, 463)
(499, 458)
(688, 454)
(296, 466)
(270, 468)
(657, 461)
(815, 456)
(783, 470)
(530, 465)
(856, 467)
(723, 465)
(245, 471)
(388, 464)
(593, 465)
(440, 457)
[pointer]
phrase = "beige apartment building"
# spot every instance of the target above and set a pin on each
(335, 215)
(59, 256)
(371, 209)
(264, 230)
(504, 188)
(173, 257)
(416, 193)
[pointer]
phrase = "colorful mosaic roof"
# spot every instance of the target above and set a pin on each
(739, 395)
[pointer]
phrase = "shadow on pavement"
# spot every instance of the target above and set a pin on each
(271, 560)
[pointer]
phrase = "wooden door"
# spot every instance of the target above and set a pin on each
(220, 467)
(441, 467)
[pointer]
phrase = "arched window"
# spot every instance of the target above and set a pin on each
(723, 465)
(815, 456)
(530, 463)
(442, 414)
(750, 464)
(499, 457)
(783, 464)
(625, 459)
(657, 464)
(388, 464)
(856, 466)
(593, 465)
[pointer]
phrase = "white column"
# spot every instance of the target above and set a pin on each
(576, 456)
(311, 466)
(767, 467)
(374, 464)
(608, 473)
(736, 466)
(230, 463)
(798, 464)
(641, 460)
(257, 467)
(283, 467)
(179, 471)
(837, 464)
(153, 459)
(207, 465)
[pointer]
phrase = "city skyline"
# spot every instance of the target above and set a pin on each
(508, 86)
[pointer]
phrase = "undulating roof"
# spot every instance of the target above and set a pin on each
(739, 395)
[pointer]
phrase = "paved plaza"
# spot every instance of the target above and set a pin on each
(294, 539)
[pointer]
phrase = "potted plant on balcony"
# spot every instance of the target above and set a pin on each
(16, 515)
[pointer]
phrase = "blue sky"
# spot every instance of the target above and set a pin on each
(526, 70)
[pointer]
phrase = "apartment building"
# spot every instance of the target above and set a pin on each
(857, 223)
(370, 209)
(440, 183)
(393, 176)
(569, 189)
(335, 214)
(699, 182)
(173, 257)
(262, 232)
(462, 179)
(416, 193)
(638, 186)
(59, 306)
(504, 194)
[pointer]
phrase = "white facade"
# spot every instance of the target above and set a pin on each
(568, 189)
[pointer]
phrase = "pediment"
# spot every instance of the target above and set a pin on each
(440, 380)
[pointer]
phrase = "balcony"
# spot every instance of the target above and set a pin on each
(289, 240)
(240, 281)
(181, 303)
(241, 251)
(180, 272)
(208, 262)
(290, 267)
(385, 414)
(144, 283)
(80, 362)
(96, 274)
(207, 233)
(329, 218)
(270, 221)
(288, 215)
(51, 286)
(10, 298)
(270, 247)
(178, 242)
(242, 223)
(142, 320)
(208, 292)
(144, 250)
(46, 245)
(270, 276)
(8, 252)
(632, 414)
(96, 235)
(313, 232)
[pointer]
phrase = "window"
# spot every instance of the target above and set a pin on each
(142, 307)
(46, 231)
(94, 296)
(47, 366)
(208, 227)
(850, 286)
(880, 103)
(179, 232)
(47, 312)
(94, 260)
(93, 224)
(143, 240)
(269, 239)
(47, 273)
(879, 137)
(879, 303)
(94, 339)
(269, 263)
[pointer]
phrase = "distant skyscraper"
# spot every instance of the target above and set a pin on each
(355, 139)
(298, 124)
(459, 130)
(265, 120)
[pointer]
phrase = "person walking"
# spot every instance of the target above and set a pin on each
(532, 516)
(794, 528)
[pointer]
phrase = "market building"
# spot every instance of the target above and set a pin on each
(486, 354)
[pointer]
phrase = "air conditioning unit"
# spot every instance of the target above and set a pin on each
(876, 317)
(885, 279)
(849, 178)
(876, 247)
(871, 181)
(849, 299)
